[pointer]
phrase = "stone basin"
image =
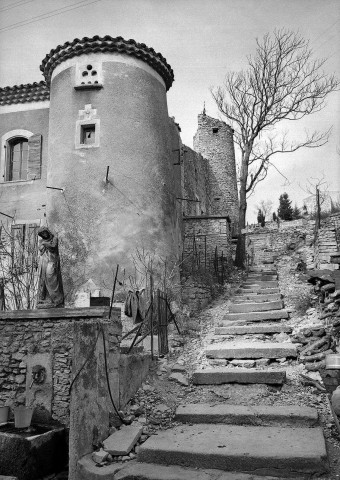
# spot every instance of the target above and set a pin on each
(31, 453)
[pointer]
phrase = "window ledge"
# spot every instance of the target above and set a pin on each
(86, 146)
(15, 182)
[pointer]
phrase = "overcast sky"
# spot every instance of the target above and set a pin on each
(202, 40)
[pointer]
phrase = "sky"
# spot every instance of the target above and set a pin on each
(202, 40)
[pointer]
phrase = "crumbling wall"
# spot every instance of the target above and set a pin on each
(195, 184)
(280, 241)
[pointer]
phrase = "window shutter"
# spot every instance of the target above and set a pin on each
(34, 157)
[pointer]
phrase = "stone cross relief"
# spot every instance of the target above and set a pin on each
(88, 113)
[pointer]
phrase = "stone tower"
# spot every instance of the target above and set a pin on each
(214, 141)
(109, 150)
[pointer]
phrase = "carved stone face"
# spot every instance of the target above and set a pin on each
(38, 374)
(45, 235)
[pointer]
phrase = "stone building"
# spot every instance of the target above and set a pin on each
(91, 150)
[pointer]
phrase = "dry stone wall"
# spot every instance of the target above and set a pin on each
(205, 238)
(279, 241)
(29, 338)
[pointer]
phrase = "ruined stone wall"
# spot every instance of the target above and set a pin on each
(214, 141)
(283, 240)
(47, 338)
(196, 184)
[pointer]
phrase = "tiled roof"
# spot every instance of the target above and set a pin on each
(107, 44)
(31, 92)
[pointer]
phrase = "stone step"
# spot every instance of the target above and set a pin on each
(247, 415)
(263, 269)
(269, 284)
(261, 277)
(258, 290)
(269, 450)
(254, 297)
(257, 316)
(152, 471)
(252, 329)
(244, 349)
(220, 376)
(255, 307)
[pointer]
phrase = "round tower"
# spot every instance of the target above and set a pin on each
(109, 152)
(214, 141)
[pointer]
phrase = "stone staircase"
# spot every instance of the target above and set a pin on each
(229, 442)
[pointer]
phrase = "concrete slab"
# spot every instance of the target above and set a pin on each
(122, 441)
(263, 269)
(247, 415)
(152, 471)
(220, 376)
(255, 297)
(282, 451)
(255, 307)
(252, 329)
(257, 316)
(244, 349)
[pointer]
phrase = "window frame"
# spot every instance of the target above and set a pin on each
(81, 126)
(5, 140)
(9, 163)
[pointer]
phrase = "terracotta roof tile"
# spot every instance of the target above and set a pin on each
(107, 44)
(31, 92)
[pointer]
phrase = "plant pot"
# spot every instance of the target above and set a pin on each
(22, 416)
(4, 414)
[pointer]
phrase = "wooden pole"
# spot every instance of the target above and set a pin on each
(151, 316)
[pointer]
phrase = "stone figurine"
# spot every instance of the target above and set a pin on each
(50, 288)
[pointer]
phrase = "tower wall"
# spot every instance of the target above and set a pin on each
(102, 221)
(214, 141)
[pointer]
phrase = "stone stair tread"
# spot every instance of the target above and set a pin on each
(255, 307)
(152, 471)
(259, 290)
(265, 450)
(245, 349)
(220, 376)
(254, 297)
(247, 415)
(252, 329)
(257, 316)
(268, 284)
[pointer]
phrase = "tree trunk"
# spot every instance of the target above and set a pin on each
(241, 241)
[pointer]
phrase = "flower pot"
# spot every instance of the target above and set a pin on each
(22, 416)
(4, 414)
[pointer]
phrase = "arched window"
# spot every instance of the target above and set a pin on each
(16, 159)
(20, 156)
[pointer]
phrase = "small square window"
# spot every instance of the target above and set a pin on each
(88, 133)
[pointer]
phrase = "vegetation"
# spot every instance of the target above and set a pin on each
(285, 210)
(282, 82)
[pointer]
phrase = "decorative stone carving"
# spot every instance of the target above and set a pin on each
(50, 289)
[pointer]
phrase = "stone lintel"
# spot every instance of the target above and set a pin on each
(60, 313)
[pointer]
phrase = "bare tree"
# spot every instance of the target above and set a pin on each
(265, 206)
(282, 82)
(19, 273)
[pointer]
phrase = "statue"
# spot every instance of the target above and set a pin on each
(50, 288)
